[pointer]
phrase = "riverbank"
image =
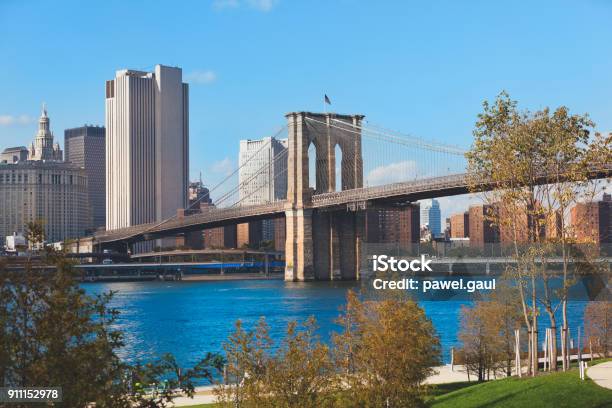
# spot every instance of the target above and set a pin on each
(232, 277)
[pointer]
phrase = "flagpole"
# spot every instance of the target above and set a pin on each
(324, 106)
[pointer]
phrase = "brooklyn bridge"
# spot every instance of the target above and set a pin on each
(335, 167)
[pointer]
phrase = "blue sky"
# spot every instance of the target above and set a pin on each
(420, 67)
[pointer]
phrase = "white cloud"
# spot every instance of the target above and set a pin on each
(392, 173)
(225, 4)
(224, 167)
(201, 77)
(458, 204)
(260, 5)
(9, 120)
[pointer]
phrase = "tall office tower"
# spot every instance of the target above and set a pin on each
(431, 216)
(147, 146)
(43, 148)
(198, 201)
(199, 196)
(262, 179)
(85, 147)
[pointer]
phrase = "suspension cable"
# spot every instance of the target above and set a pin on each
(218, 184)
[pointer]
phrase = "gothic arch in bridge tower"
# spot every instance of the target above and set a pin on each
(322, 244)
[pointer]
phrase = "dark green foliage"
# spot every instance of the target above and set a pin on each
(54, 334)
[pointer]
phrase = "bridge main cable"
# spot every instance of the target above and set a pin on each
(174, 216)
(385, 136)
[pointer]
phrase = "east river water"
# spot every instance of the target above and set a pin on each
(188, 318)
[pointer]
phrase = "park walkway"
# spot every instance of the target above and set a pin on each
(601, 374)
(203, 395)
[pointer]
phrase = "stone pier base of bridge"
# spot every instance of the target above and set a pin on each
(323, 245)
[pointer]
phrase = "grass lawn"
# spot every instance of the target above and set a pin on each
(547, 390)
(555, 390)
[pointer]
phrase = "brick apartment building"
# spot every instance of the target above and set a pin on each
(482, 231)
(460, 225)
(393, 225)
(592, 221)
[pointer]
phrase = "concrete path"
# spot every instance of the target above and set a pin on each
(203, 395)
(444, 374)
(601, 374)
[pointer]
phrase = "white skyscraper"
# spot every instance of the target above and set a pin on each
(262, 179)
(263, 175)
(147, 146)
(431, 216)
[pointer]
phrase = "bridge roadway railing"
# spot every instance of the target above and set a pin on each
(390, 190)
(438, 184)
(207, 217)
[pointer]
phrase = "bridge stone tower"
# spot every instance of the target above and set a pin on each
(322, 245)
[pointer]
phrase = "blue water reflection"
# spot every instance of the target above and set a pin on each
(188, 319)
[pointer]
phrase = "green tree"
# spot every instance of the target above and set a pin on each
(487, 336)
(298, 374)
(248, 361)
(382, 356)
(538, 166)
(301, 373)
(348, 342)
(598, 327)
(156, 384)
(509, 314)
(386, 351)
(54, 334)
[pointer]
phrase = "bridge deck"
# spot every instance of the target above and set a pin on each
(405, 191)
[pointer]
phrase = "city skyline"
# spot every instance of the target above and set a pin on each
(306, 203)
(429, 81)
